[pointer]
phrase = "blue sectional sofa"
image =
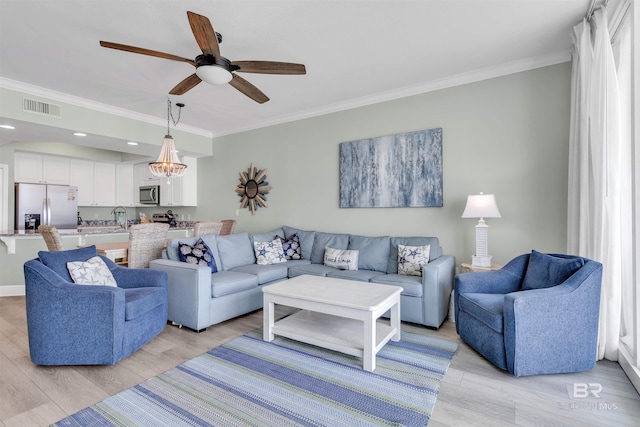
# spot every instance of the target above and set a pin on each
(199, 298)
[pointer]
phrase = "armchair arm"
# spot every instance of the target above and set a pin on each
(554, 329)
(502, 281)
(189, 292)
(135, 277)
(437, 283)
(61, 314)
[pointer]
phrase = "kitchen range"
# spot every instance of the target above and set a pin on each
(168, 218)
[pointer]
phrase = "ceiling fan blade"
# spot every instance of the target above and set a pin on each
(143, 51)
(248, 89)
(270, 67)
(205, 36)
(185, 85)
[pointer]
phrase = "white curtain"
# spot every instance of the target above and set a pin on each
(599, 206)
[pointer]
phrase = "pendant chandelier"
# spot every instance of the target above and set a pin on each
(168, 164)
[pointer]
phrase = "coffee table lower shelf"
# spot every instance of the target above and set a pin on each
(332, 332)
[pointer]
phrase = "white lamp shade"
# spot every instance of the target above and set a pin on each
(168, 163)
(213, 74)
(481, 206)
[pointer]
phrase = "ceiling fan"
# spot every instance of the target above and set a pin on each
(211, 66)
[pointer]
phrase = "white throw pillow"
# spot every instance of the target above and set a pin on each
(269, 252)
(411, 259)
(341, 259)
(91, 272)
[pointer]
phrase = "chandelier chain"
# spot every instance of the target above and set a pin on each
(170, 114)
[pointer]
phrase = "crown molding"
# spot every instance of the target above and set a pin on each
(403, 92)
(96, 106)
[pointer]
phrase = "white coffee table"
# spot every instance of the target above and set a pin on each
(337, 314)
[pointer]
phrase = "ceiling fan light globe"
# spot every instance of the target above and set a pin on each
(213, 74)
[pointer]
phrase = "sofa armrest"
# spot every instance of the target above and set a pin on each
(189, 292)
(437, 284)
(554, 329)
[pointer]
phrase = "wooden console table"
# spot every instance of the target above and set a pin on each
(116, 251)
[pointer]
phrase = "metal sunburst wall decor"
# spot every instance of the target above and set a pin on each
(253, 188)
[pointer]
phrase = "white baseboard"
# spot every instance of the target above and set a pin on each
(628, 366)
(11, 291)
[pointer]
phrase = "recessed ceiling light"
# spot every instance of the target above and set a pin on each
(79, 134)
(7, 127)
(132, 143)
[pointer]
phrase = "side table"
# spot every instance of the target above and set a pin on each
(467, 267)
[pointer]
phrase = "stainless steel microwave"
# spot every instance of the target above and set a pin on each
(150, 195)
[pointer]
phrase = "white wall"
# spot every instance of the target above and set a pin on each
(507, 136)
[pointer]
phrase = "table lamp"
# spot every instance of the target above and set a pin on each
(481, 206)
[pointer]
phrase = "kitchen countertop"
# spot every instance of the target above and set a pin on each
(10, 237)
(103, 228)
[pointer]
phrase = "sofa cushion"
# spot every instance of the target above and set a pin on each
(57, 260)
(235, 250)
(411, 259)
(341, 259)
(269, 252)
(373, 252)
(411, 285)
(487, 308)
(199, 254)
(327, 240)
(91, 272)
(360, 275)
(229, 282)
(291, 247)
(314, 269)
(139, 301)
(306, 239)
(545, 271)
(265, 273)
(292, 263)
(434, 252)
(268, 236)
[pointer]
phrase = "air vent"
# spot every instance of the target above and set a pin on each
(39, 107)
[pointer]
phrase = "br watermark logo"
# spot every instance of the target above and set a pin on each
(584, 390)
(587, 396)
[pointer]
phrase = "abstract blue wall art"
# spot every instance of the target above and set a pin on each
(402, 170)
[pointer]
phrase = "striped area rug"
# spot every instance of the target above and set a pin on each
(284, 383)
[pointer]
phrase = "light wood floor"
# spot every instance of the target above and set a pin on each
(473, 392)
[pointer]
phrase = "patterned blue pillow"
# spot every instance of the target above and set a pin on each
(291, 247)
(411, 259)
(269, 252)
(199, 254)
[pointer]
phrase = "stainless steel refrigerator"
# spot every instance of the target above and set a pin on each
(45, 204)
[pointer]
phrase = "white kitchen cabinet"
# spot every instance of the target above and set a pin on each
(104, 184)
(125, 194)
(81, 175)
(143, 176)
(96, 182)
(41, 168)
(181, 191)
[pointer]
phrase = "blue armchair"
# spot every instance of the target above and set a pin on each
(537, 315)
(77, 324)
